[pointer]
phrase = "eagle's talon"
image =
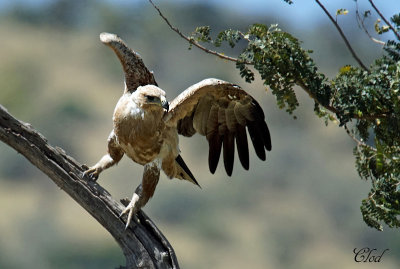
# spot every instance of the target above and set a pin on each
(92, 173)
(131, 209)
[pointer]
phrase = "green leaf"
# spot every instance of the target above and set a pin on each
(341, 11)
(380, 29)
(345, 69)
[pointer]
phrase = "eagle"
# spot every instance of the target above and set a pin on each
(146, 127)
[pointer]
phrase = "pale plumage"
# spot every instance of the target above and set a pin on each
(146, 127)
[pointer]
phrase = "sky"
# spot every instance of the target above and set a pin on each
(310, 13)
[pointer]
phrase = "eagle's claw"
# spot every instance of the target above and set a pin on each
(92, 173)
(132, 208)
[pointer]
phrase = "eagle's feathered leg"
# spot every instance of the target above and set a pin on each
(144, 191)
(113, 156)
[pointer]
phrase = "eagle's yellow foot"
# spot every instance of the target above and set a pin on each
(93, 173)
(131, 209)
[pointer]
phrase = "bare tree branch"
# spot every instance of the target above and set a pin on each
(355, 139)
(384, 19)
(362, 25)
(353, 53)
(193, 42)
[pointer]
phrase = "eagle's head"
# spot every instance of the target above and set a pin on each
(151, 97)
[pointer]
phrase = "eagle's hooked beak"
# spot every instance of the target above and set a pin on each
(165, 104)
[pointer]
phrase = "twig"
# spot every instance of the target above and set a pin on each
(371, 197)
(193, 42)
(362, 25)
(244, 36)
(359, 142)
(333, 109)
(384, 19)
(353, 53)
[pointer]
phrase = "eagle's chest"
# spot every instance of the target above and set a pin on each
(139, 133)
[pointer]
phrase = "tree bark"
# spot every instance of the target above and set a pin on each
(143, 245)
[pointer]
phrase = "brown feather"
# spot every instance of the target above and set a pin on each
(189, 176)
(239, 116)
(222, 129)
(212, 123)
(206, 114)
(256, 138)
(223, 102)
(247, 111)
(221, 121)
(201, 114)
(229, 152)
(231, 121)
(242, 146)
(262, 125)
(215, 145)
(185, 126)
(266, 135)
(221, 116)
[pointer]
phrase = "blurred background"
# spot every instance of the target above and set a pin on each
(299, 209)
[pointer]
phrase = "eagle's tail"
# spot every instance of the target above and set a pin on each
(184, 172)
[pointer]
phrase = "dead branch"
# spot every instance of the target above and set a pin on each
(142, 243)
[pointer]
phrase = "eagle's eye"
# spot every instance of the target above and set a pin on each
(150, 98)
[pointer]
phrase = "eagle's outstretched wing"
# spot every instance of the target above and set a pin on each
(221, 111)
(136, 73)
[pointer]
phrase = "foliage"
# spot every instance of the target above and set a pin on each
(366, 100)
(278, 58)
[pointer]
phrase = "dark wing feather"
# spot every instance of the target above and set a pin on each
(182, 164)
(266, 136)
(229, 152)
(241, 143)
(257, 139)
(221, 111)
(214, 145)
(185, 126)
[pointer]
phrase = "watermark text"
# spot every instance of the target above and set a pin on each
(368, 254)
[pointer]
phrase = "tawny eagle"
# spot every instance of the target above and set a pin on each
(146, 126)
